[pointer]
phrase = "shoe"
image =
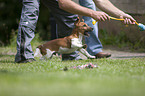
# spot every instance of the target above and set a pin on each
(103, 55)
(27, 60)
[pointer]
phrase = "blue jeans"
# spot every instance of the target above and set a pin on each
(93, 42)
(27, 25)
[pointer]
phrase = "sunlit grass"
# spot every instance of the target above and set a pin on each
(113, 77)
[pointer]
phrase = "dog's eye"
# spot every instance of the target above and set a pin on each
(84, 25)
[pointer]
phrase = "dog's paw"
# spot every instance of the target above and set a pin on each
(91, 57)
(84, 46)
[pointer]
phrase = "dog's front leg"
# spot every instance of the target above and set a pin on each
(43, 58)
(84, 52)
(49, 55)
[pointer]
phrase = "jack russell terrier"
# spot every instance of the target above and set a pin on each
(67, 44)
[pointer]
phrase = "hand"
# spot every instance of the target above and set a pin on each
(128, 19)
(100, 16)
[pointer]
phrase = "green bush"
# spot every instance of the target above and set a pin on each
(120, 39)
(10, 12)
(9, 17)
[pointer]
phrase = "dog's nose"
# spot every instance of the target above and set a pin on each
(92, 28)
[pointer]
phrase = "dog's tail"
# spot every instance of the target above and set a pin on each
(37, 52)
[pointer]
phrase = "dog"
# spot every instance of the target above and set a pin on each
(67, 44)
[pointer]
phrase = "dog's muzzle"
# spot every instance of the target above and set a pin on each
(86, 32)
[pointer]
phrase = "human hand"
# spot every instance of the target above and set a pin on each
(100, 16)
(128, 19)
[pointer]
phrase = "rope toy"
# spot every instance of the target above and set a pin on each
(86, 66)
(141, 26)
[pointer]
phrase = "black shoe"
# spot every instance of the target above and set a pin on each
(27, 60)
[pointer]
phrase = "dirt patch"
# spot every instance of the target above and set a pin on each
(121, 53)
(124, 54)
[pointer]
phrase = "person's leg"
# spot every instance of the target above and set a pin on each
(27, 25)
(65, 24)
(93, 42)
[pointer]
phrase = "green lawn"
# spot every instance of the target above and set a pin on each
(113, 77)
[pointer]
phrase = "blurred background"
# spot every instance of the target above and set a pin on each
(111, 33)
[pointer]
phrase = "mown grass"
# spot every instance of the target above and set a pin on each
(113, 77)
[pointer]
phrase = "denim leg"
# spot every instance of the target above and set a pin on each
(93, 42)
(65, 24)
(27, 25)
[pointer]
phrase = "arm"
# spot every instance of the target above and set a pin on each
(75, 8)
(108, 7)
(104, 5)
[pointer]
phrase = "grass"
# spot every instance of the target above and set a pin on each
(113, 77)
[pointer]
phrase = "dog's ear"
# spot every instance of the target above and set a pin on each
(77, 21)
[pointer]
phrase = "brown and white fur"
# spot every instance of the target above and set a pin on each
(67, 44)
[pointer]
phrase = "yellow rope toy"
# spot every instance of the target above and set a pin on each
(141, 26)
(94, 22)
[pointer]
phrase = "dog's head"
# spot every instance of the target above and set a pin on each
(82, 27)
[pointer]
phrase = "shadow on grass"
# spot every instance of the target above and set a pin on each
(4, 58)
(3, 71)
(6, 55)
(7, 61)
